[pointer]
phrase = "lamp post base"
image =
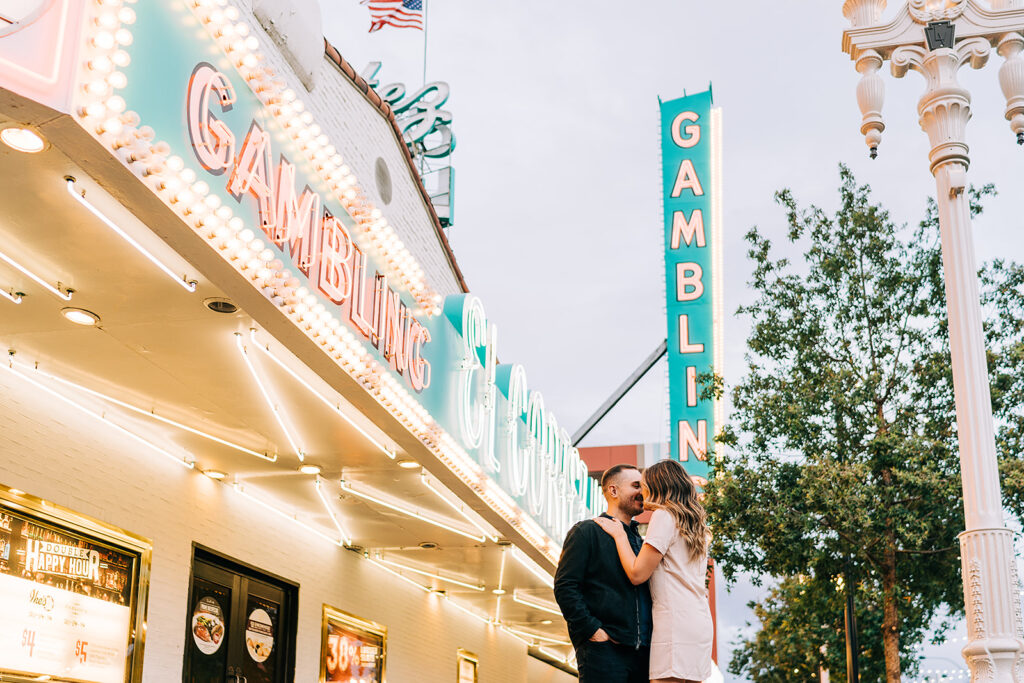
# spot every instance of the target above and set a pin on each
(995, 635)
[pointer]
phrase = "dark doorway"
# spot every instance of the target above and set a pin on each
(241, 624)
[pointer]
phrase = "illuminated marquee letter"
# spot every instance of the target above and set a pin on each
(335, 276)
(419, 368)
(296, 220)
(517, 441)
(357, 309)
(252, 175)
(688, 441)
(684, 337)
(212, 141)
(685, 230)
(689, 285)
(686, 179)
(692, 132)
(691, 386)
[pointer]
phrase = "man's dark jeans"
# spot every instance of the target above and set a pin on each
(609, 662)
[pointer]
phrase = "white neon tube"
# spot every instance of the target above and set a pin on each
(470, 612)
(391, 571)
(538, 636)
(266, 397)
(65, 295)
(517, 637)
(323, 399)
(535, 603)
(433, 575)
(345, 486)
(10, 296)
(97, 416)
(457, 507)
(189, 285)
(149, 414)
(530, 566)
(500, 590)
(240, 490)
(345, 537)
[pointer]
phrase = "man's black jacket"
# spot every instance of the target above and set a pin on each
(594, 592)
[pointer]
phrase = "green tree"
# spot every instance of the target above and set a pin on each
(844, 428)
(800, 631)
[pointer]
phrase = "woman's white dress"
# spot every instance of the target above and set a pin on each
(683, 630)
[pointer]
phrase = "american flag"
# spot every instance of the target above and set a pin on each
(397, 13)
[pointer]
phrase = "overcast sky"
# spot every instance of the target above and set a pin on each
(558, 219)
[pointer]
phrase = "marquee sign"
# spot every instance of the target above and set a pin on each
(181, 93)
(691, 178)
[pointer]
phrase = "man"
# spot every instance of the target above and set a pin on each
(609, 618)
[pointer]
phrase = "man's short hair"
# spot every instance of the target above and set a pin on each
(612, 472)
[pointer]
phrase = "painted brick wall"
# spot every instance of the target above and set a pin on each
(361, 134)
(57, 453)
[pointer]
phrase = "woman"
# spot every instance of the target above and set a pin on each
(674, 558)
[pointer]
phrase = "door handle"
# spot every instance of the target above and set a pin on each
(234, 673)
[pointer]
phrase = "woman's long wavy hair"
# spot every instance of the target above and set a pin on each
(671, 488)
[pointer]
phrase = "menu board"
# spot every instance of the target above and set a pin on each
(66, 603)
(353, 649)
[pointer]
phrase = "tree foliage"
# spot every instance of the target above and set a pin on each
(844, 431)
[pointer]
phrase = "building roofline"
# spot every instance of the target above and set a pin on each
(384, 108)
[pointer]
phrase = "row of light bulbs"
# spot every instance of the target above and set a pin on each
(103, 112)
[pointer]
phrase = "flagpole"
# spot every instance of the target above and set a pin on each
(425, 6)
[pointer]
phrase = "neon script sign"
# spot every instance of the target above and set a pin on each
(692, 270)
(317, 242)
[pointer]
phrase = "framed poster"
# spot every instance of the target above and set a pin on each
(352, 650)
(467, 664)
(73, 593)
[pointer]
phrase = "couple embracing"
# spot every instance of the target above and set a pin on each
(637, 607)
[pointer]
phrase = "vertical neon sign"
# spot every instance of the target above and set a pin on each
(691, 182)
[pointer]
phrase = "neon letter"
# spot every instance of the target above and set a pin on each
(212, 141)
(686, 179)
(688, 441)
(297, 221)
(335, 277)
(684, 337)
(252, 175)
(693, 132)
(685, 230)
(688, 275)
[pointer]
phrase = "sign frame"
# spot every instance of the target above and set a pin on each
(100, 533)
(358, 624)
(691, 164)
(466, 656)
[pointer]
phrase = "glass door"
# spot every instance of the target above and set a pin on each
(239, 626)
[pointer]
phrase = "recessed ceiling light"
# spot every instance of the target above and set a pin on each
(17, 492)
(408, 464)
(23, 140)
(310, 469)
(80, 316)
(215, 474)
(546, 622)
(221, 305)
(498, 591)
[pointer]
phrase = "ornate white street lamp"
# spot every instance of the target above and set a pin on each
(936, 38)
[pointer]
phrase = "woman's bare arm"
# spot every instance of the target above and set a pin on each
(637, 567)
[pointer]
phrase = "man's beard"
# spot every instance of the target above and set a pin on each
(635, 506)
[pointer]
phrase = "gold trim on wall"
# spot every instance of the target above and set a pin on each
(466, 656)
(357, 624)
(104, 534)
